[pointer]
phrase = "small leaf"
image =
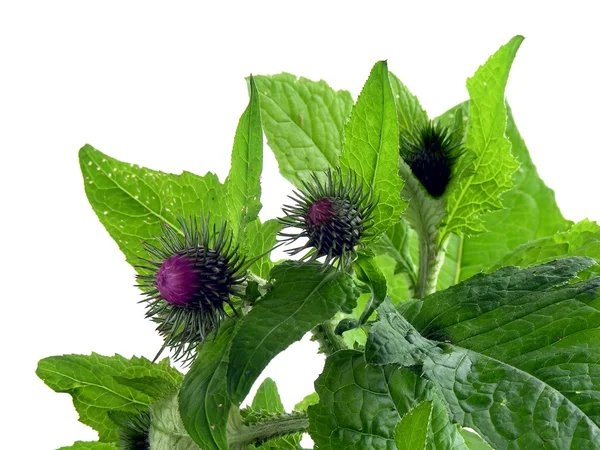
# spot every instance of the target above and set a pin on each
(410, 112)
(92, 382)
(203, 400)
(368, 272)
(80, 445)
(243, 181)
(411, 431)
(132, 202)
(474, 441)
(267, 398)
(371, 147)
(259, 238)
(153, 387)
(166, 429)
(310, 399)
(303, 121)
(494, 165)
(302, 296)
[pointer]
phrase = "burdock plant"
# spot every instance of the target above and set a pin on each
(429, 260)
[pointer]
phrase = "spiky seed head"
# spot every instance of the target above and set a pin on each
(333, 215)
(189, 280)
(431, 153)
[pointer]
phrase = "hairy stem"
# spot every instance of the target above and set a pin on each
(329, 342)
(259, 432)
(431, 259)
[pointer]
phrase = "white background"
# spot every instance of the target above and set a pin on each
(162, 85)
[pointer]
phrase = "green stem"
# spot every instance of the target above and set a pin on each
(329, 342)
(258, 432)
(431, 259)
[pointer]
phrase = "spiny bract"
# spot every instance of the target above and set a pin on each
(334, 215)
(192, 273)
(431, 153)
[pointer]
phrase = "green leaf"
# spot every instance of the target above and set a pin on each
(80, 445)
(92, 382)
(492, 169)
(153, 387)
(243, 181)
(203, 400)
(474, 441)
(374, 399)
(410, 112)
(411, 431)
(166, 429)
(132, 202)
(520, 361)
(302, 296)
(310, 399)
(530, 212)
(258, 239)
(368, 272)
(371, 147)
(303, 121)
(267, 398)
(583, 239)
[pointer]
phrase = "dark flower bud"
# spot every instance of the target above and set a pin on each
(431, 153)
(134, 429)
(333, 215)
(192, 274)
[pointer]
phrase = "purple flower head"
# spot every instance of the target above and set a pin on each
(333, 215)
(320, 212)
(190, 282)
(176, 280)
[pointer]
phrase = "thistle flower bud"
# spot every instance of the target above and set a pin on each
(431, 154)
(134, 429)
(333, 215)
(192, 274)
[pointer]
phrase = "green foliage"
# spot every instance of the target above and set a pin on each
(371, 146)
(509, 345)
(302, 296)
(96, 384)
(243, 181)
(303, 122)
(491, 172)
(203, 399)
(132, 202)
(411, 431)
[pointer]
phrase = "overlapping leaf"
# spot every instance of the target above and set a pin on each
(303, 121)
(371, 146)
(93, 382)
(302, 296)
(493, 165)
(132, 202)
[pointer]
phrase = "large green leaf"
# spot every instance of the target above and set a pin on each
(93, 383)
(530, 212)
(166, 429)
(493, 166)
(371, 146)
(243, 181)
(411, 431)
(517, 356)
(303, 121)
(132, 202)
(582, 239)
(203, 400)
(80, 445)
(302, 296)
(360, 405)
